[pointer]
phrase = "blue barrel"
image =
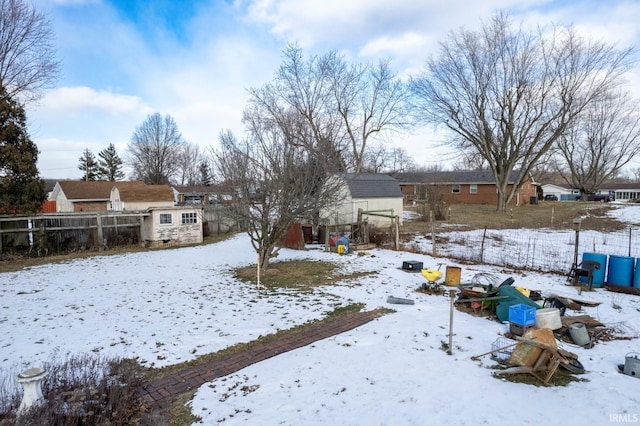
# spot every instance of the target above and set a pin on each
(598, 274)
(636, 275)
(620, 270)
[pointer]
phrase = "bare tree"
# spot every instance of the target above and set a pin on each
(511, 93)
(470, 160)
(190, 159)
(28, 62)
(369, 98)
(605, 138)
(380, 158)
(546, 168)
(344, 106)
(154, 150)
(303, 86)
(376, 158)
(275, 181)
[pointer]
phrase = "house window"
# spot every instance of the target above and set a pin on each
(188, 218)
(473, 188)
(165, 219)
(455, 188)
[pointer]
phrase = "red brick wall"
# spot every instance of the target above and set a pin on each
(90, 207)
(486, 194)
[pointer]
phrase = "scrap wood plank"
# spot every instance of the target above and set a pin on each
(623, 289)
(548, 360)
(583, 302)
(587, 320)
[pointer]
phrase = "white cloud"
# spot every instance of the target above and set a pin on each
(74, 99)
(116, 74)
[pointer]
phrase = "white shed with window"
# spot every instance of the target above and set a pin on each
(166, 226)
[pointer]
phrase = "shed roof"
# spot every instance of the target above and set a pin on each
(143, 192)
(372, 185)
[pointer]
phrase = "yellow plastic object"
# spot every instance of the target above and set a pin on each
(524, 291)
(340, 249)
(431, 275)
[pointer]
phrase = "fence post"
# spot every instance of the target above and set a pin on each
(434, 249)
(99, 231)
(142, 236)
(576, 223)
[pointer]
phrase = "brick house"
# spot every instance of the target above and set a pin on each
(461, 187)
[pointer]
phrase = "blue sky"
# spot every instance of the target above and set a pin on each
(194, 60)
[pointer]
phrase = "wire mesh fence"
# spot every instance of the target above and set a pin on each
(553, 250)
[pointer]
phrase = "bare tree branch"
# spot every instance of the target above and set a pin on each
(154, 150)
(605, 138)
(511, 93)
(28, 62)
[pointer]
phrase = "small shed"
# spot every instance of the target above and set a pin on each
(167, 226)
(377, 196)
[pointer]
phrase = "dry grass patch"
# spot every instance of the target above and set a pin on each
(558, 215)
(298, 274)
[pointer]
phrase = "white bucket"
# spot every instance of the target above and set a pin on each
(548, 318)
(632, 364)
(579, 334)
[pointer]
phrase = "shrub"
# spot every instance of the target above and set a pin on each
(81, 389)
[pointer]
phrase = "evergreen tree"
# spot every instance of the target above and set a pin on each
(205, 174)
(21, 189)
(89, 166)
(110, 164)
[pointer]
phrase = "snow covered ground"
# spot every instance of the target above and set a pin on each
(170, 306)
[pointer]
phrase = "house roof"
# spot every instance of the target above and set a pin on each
(620, 186)
(451, 177)
(86, 190)
(101, 190)
(142, 192)
(372, 185)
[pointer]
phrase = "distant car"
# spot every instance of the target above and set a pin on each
(551, 197)
(603, 198)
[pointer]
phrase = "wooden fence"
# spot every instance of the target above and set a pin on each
(54, 233)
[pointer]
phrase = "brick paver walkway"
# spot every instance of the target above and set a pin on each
(161, 392)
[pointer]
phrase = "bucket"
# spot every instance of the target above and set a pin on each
(452, 276)
(632, 364)
(598, 274)
(620, 270)
(579, 334)
(548, 318)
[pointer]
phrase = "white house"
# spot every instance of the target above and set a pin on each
(80, 196)
(178, 225)
(563, 193)
(378, 196)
